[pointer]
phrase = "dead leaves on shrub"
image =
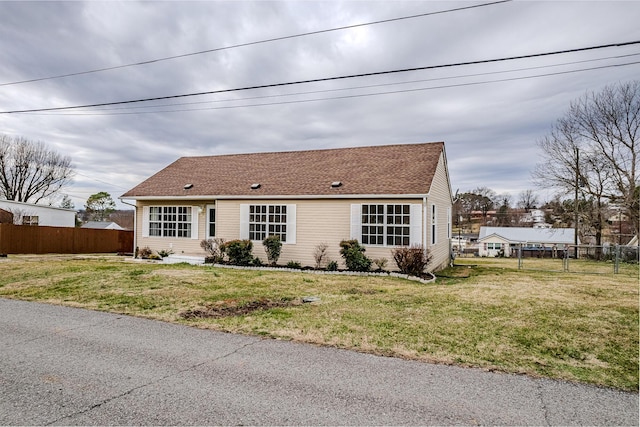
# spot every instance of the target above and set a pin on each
(237, 308)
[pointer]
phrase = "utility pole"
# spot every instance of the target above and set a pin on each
(575, 204)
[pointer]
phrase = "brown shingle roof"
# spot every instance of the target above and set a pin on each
(388, 169)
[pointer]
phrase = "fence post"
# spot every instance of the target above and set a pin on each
(616, 263)
(520, 256)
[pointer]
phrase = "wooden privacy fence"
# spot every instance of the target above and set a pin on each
(28, 239)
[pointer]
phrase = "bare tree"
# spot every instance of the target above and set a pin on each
(527, 200)
(66, 202)
(504, 215)
(485, 201)
(481, 199)
(592, 152)
(29, 171)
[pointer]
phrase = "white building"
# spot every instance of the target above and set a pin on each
(103, 225)
(30, 214)
(495, 241)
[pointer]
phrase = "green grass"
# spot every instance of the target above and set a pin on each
(490, 315)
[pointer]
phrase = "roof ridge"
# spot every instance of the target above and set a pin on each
(315, 150)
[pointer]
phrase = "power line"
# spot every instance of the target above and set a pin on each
(184, 55)
(356, 95)
(429, 67)
(366, 86)
(111, 184)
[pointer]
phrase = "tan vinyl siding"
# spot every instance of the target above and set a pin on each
(179, 245)
(317, 221)
(321, 220)
(440, 195)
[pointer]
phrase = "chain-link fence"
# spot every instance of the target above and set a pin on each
(606, 259)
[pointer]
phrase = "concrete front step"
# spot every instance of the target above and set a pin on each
(190, 259)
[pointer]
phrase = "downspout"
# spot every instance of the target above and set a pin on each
(135, 225)
(425, 217)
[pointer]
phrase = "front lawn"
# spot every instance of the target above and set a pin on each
(558, 325)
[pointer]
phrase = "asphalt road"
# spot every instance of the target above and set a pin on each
(66, 366)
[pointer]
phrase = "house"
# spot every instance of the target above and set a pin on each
(505, 241)
(103, 225)
(383, 196)
(30, 214)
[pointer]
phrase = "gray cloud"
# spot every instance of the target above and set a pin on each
(489, 129)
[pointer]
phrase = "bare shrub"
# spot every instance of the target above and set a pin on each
(215, 248)
(145, 253)
(380, 263)
(320, 254)
(411, 260)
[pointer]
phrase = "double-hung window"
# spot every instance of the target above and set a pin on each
(267, 220)
(257, 222)
(170, 221)
(386, 225)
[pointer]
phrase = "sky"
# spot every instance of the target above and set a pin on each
(490, 114)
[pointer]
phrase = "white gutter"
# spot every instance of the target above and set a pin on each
(135, 224)
(280, 196)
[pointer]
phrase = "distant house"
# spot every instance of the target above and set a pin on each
(103, 225)
(383, 196)
(537, 218)
(495, 241)
(20, 213)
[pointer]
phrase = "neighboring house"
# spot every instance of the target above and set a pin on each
(6, 217)
(383, 196)
(30, 214)
(103, 225)
(495, 241)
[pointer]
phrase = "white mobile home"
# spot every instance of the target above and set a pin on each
(30, 214)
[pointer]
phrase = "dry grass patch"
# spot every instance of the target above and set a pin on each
(560, 325)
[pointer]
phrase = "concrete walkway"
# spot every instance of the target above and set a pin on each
(66, 366)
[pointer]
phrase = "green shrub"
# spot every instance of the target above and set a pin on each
(257, 262)
(332, 266)
(411, 260)
(354, 257)
(294, 264)
(239, 251)
(272, 246)
(165, 253)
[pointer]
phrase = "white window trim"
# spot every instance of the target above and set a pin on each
(206, 221)
(434, 224)
(146, 210)
(291, 221)
(415, 223)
